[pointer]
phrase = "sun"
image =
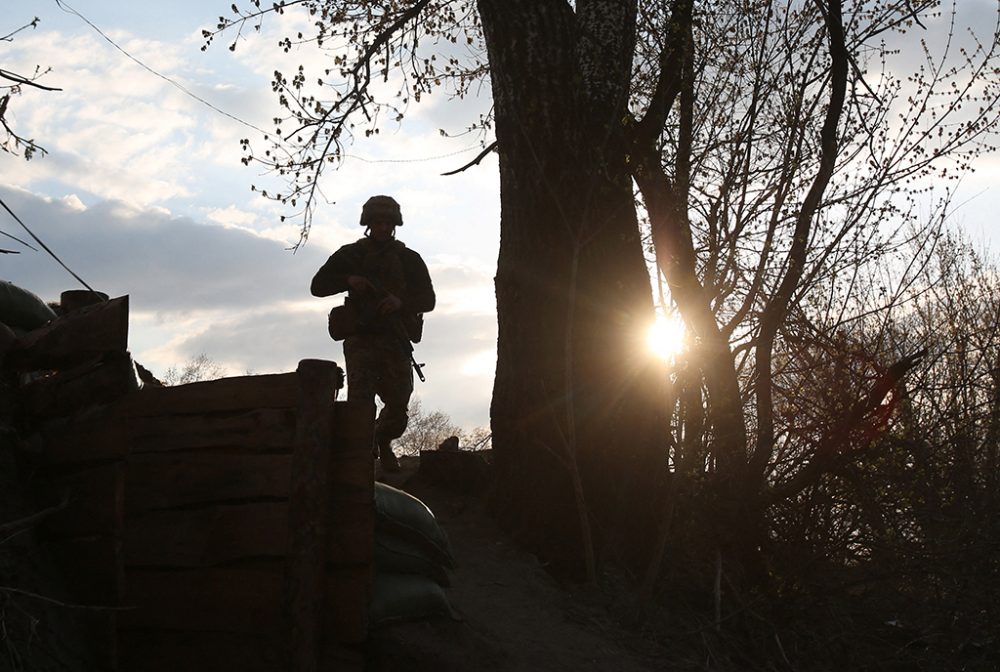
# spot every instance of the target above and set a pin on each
(666, 337)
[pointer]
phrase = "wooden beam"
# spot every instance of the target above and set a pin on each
(89, 332)
(95, 502)
(70, 391)
(90, 568)
(170, 480)
(309, 515)
(352, 538)
(224, 395)
(100, 436)
(243, 600)
(255, 429)
(91, 571)
(174, 651)
(75, 299)
(348, 593)
(225, 534)
(209, 536)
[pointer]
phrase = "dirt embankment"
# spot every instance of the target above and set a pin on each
(515, 615)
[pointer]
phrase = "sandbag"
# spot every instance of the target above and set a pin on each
(406, 597)
(21, 309)
(403, 515)
(398, 556)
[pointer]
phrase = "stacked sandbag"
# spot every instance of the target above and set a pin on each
(22, 310)
(412, 559)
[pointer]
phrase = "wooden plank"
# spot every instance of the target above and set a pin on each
(348, 593)
(91, 569)
(353, 466)
(97, 436)
(217, 535)
(91, 574)
(170, 651)
(69, 392)
(344, 658)
(352, 536)
(101, 630)
(352, 478)
(84, 334)
(75, 299)
(208, 536)
(258, 429)
(94, 502)
(353, 426)
(236, 600)
(226, 394)
(164, 480)
(46, 395)
(309, 505)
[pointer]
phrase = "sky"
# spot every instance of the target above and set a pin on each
(142, 192)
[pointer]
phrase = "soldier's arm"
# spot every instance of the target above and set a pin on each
(332, 277)
(420, 296)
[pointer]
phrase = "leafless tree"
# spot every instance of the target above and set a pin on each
(426, 430)
(198, 368)
(779, 155)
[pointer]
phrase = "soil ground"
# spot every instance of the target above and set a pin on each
(515, 616)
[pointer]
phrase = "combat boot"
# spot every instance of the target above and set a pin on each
(388, 459)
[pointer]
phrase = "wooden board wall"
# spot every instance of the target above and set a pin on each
(210, 522)
(71, 373)
(182, 510)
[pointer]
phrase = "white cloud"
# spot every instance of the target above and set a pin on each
(117, 130)
(73, 202)
(232, 216)
(240, 297)
(168, 264)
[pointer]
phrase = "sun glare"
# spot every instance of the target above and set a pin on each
(666, 337)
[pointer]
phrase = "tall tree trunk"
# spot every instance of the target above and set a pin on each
(575, 387)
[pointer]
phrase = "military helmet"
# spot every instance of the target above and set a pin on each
(384, 207)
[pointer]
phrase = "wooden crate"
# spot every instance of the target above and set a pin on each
(250, 521)
(230, 523)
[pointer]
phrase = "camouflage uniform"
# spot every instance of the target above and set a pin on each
(377, 361)
(377, 364)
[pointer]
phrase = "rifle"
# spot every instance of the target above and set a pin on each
(370, 314)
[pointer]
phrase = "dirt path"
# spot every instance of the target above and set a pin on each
(515, 616)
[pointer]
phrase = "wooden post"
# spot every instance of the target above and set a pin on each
(352, 521)
(309, 514)
(73, 299)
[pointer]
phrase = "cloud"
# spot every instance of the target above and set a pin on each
(168, 264)
(459, 351)
(467, 289)
(143, 193)
(241, 298)
(232, 216)
(119, 131)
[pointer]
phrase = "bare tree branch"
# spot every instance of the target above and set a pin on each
(475, 162)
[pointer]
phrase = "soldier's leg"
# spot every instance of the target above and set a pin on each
(394, 388)
(362, 361)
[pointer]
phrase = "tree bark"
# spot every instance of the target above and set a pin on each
(574, 384)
